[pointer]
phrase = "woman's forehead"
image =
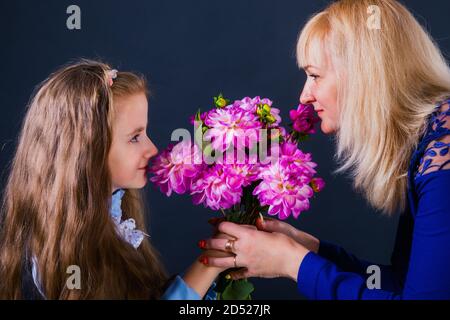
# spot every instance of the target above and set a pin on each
(314, 54)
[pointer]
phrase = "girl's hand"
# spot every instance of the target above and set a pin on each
(200, 275)
(257, 253)
(214, 253)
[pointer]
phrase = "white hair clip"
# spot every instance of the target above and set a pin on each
(112, 74)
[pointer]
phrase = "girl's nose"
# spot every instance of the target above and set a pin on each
(152, 150)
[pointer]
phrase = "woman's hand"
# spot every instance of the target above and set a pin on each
(273, 225)
(258, 253)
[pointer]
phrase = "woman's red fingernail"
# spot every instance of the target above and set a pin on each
(203, 260)
(202, 244)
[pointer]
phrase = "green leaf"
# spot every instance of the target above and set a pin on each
(234, 216)
(302, 138)
(197, 116)
(238, 290)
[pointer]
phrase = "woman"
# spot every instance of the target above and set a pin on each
(384, 93)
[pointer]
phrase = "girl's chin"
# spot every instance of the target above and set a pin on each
(145, 180)
(139, 183)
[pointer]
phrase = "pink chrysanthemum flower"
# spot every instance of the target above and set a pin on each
(216, 189)
(285, 183)
(228, 125)
(251, 105)
(296, 161)
(176, 167)
(241, 175)
(282, 192)
(248, 104)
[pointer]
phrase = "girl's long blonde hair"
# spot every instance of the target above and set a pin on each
(389, 80)
(56, 201)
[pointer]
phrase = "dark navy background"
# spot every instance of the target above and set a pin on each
(190, 51)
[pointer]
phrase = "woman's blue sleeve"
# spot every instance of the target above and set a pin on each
(179, 290)
(343, 259)
(348, 262)
(428, 275)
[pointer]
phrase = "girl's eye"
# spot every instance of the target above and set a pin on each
(314, 76)
(134, 139)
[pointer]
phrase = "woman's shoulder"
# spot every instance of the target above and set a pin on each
(435, 155)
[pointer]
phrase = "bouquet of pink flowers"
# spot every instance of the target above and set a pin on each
(242, 162)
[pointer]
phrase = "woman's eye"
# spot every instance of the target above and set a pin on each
(314, 76)
(134, 139)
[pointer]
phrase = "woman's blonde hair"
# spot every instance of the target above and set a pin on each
(58, 194)
(389, 80)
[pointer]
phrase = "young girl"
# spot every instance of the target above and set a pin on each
(73, 199)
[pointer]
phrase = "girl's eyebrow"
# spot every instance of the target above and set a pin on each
(136, 131)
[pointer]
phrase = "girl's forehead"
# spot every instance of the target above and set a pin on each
(131, 112)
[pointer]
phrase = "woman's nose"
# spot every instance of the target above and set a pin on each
(306, 97)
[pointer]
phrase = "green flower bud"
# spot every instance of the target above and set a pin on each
(266, 108)
(221, 102)
(270, 118)
(259, 112)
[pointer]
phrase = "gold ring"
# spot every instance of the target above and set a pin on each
(229, 246)
(235, 264)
